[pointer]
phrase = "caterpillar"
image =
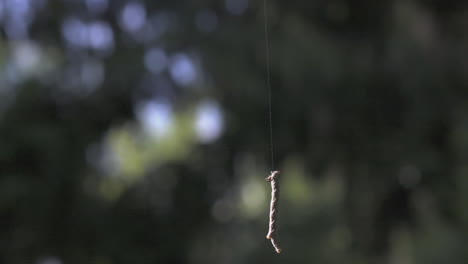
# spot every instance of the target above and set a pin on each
(272, 229)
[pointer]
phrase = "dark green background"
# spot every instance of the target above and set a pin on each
(370, 124)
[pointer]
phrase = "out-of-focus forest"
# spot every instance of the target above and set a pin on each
(137, 131)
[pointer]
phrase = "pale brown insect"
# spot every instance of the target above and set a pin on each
(272, 230)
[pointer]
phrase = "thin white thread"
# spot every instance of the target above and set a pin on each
(268, 85)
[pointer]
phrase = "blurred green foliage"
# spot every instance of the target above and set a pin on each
(137, 131)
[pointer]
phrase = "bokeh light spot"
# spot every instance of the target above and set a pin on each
(159, 24)
(2, 10)
(253, 198)
(75, 32)
(26, 56)
(92, 74)
(183, 70)
(133, 17)
(155, 60)
(18, 15)
(236, 7)
(209, 122)
(97, 6)
(101, 36)
(155, 117)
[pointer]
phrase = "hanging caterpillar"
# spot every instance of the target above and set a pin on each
(272, 230)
